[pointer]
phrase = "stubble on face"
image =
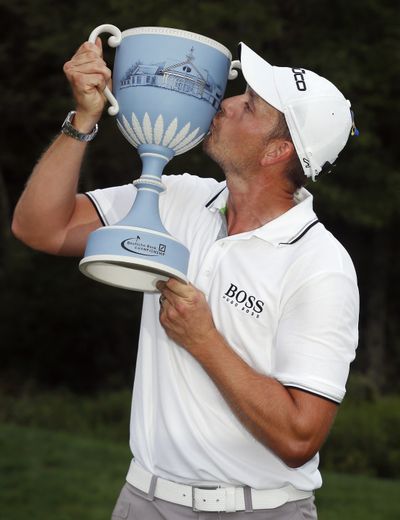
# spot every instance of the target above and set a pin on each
(216, 150)
(235, 152)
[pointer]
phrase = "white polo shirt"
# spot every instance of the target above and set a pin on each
(285, 298)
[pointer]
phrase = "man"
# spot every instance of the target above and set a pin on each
(240, 372)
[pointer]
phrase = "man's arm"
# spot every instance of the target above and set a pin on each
(50, 215)
(291, 422)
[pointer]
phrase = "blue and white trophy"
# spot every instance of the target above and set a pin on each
(168, 85)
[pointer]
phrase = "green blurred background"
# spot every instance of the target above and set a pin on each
(68, 345)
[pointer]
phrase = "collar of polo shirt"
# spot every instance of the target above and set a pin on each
(283, 230)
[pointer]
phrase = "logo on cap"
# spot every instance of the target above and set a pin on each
(299, 79)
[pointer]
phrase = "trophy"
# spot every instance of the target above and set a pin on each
(167, 87)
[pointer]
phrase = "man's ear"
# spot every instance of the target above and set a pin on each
(276, 151)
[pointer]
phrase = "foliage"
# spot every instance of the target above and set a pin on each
(365, 439)
(104, 416)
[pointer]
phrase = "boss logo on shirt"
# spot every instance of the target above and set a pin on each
(245, 302)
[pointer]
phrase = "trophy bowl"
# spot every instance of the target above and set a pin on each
(167, 87)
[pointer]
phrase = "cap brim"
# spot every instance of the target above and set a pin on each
(259, 75)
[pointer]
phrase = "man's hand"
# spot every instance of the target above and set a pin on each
(88, 75)
(185, 315)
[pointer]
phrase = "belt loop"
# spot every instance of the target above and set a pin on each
(248, 501)
(230, 500)
(194, 500)
(152, 488)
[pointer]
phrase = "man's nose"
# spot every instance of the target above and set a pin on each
(228, 106)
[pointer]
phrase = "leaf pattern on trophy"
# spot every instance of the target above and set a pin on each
(169, 134)
(147, 129)
(126, 134)
(180, 136)
(187, 139)
(132, 136)
(190, 145)
(178, 142)
(158, 129)
(137, 128)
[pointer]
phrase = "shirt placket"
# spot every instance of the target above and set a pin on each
(210, 264)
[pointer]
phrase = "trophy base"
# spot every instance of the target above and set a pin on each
(128, 273)
(133, 258)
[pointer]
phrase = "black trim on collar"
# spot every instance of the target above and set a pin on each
(301, 235)
(215, 197)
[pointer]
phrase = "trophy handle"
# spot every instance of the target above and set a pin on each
(233, 73)
(113, 41)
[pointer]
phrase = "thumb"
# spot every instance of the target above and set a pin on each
(99, 44)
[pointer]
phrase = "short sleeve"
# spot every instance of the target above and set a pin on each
(317, 335)
(112, 204)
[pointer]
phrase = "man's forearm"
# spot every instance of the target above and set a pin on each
(49, 215)
(49, 198)
(263, 405)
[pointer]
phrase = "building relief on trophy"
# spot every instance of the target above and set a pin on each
(145, 132)
(181, 76)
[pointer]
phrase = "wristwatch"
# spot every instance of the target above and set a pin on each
(71, 131)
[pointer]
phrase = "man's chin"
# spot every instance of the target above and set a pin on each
(210, 150)
(206, 144)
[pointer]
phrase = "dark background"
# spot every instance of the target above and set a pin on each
(61, 330)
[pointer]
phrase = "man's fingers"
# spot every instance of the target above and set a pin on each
(87, 62)
(97, 48)
(87, 59)
(87, 82)
(169, 300)
(182, 289)
(167, 296)
(92, 75)
(99, 44)
(86, 71)
(88, 55)
(161, 285)
(88, 76)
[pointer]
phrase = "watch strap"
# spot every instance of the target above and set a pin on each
(68, 129)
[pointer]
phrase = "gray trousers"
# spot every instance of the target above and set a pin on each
(133, 504)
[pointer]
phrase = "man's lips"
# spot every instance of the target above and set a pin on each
(211, 128)
(214, 122)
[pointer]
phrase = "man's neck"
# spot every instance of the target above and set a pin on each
(254, 204)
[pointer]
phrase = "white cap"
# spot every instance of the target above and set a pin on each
(316, 112)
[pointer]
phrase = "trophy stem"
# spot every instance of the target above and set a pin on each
(145, 210)
(138, 251)
(154, 158)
